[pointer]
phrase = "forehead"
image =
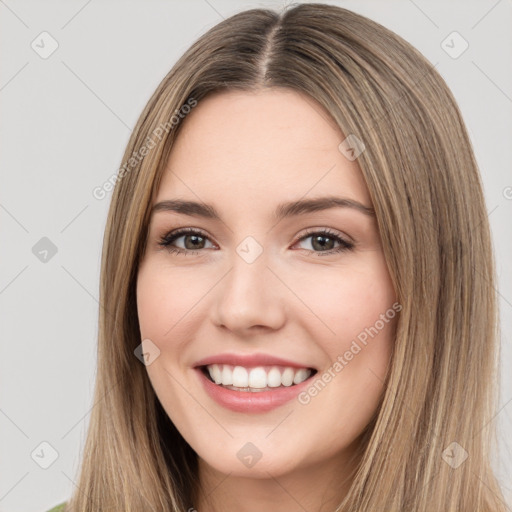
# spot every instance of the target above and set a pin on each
(259, 146)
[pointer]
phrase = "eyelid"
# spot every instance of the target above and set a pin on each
(311, 231)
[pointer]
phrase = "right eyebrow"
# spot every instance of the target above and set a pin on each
(191, 208)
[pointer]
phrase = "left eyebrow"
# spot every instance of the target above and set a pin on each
(290, 209)
(322, 203)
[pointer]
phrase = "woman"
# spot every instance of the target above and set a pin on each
(297, 293)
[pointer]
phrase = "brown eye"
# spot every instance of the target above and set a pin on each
(193, 240)
(324, 241)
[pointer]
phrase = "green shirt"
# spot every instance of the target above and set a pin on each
(58, 508)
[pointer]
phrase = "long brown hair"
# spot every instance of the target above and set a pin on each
(425, 187)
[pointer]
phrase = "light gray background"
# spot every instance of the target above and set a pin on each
(65, 121)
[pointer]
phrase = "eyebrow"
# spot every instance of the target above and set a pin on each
(290, 209)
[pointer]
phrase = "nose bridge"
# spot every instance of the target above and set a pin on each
(250, 293)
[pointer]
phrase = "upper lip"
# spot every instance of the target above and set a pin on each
(249, 360)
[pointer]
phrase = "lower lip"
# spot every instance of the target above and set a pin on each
(249, 401)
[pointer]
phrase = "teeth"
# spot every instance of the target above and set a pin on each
(256, 378)
(301, 375)
(225, 376)
(287, 377)
(274, 378)
(215, 373)
(240, 377)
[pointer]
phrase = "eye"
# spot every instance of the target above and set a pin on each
(324, 240)
(193, 241)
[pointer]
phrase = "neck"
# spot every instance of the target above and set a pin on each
(319, 487)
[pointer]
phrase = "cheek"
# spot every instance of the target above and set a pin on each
(352, 384)
(165, 301)
(358, 309)
(353, 304)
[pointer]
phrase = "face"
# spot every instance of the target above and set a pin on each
(263, 300)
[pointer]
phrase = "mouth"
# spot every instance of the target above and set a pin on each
(256, 379)
(252, 383)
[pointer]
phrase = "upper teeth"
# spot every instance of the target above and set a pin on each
(258, 377)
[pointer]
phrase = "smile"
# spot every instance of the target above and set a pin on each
(253, 389)
(256, 379)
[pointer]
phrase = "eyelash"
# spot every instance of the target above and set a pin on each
(166, 241)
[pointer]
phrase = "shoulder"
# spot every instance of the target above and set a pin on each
(58, 508)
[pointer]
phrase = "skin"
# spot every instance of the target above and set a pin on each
(245, 153)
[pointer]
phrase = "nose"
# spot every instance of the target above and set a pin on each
(249, 298)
